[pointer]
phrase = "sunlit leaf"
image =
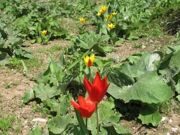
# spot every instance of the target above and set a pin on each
(150, 115)
(150, 88)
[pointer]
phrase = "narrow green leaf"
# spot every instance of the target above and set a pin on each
(82, 125)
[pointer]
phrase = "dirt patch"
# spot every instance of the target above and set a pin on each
(12, 87)
(44, 53)
(127, 48)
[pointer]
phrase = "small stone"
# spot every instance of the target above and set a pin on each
(164, 119)
(174, 129)
(41, 120)
(143, 46)
(170, 120)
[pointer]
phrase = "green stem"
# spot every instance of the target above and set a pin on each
(97, 121)
(82, 125)
(89, 73)
(86, 123)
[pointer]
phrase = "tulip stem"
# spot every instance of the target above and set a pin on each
(89, 73)
(97, 121)
(82, 125)
(86, 122)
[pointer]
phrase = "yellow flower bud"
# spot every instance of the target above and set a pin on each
(82, 20)
(89, 60)
(111, 26)
(44, 32)
(114, 13)
(98, 14)
(102, 10)
(109, 17)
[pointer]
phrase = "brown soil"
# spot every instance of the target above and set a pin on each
(12, 87)
(127, 48)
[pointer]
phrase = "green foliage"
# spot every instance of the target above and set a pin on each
(134, 19)
(30, 18)
(6, 123)
(10, 44)
(134, 14)
(91, 41)
(142, 82)
(149, 89)
(109, 121)
(58, 124)
(36, 131)
(150, 114)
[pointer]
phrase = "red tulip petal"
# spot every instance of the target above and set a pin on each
(85, 113)
(88, 109)
(98, 86)
(81, 101)
(97, 79)
(75, 105)
(105, 82)
(87, 85)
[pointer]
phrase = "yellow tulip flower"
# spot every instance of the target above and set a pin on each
(102, 10)
(114, 13)
(44, 32)
(111, 26)
(89, 60)
(82, 20)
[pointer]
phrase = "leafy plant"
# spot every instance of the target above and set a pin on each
(148, 79)
(91, 41)
(38, 20)
(10, 44)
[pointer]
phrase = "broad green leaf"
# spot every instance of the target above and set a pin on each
(146, 62)
(175, 62)
(59, 123)
(60, 105)
(45, 92)
(116, 129)
(29, 95)
(177, 87)
(178, 97)
(73, 130)
(116, 91)
(119, 78)
(150, 88)
(150, 115)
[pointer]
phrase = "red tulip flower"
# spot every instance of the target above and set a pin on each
(86, 107)
(97, 89)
